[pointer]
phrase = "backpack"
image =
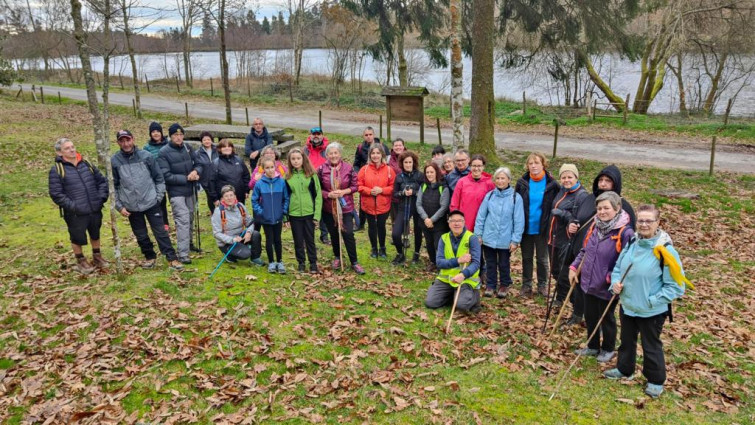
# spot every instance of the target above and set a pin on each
(223, 219)
(617, 238)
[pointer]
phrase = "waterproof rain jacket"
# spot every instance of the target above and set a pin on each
(345, 177)
(372, 176)
(305, 195)
(500, 219)
(270, 200)
(468, 196)
(139, 183)
(316, 154)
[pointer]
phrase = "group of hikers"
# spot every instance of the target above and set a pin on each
(597, 248)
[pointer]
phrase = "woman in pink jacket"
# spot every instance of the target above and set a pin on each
(470, 191)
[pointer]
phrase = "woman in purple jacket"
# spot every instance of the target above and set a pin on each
(339, 183)
(609, 232)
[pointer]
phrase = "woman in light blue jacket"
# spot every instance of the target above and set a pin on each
(499, 225)
(646, 292)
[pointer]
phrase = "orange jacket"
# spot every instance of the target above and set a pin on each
(371, 176)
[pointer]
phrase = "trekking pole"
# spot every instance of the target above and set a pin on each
(226, 256)
(456, 300)
(594, 331)
(561, 312)
(196, 216)
(336, 207)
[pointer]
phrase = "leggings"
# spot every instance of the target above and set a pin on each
(376, 229)
(273, 240)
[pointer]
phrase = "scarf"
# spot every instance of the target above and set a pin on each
(606, 226)
(335, 184)
(538, 177)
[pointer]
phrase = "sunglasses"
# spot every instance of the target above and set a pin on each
(317, 133)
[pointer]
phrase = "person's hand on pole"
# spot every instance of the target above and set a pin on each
(573, 277)
(466, 258)
(458, 278)
(572, 229)
(237, 239)
(193, 176)
(617, 287)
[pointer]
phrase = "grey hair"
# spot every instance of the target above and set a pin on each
(504, 170)
(271, 148)
(365, 129)
(611, 197)
(334, 145)
(227, 188)
(59, 143)
(462, 151)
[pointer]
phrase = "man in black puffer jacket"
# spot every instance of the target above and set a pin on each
(181, 171)
(80, 190)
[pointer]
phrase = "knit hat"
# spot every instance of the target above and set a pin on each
(155, 126)
(175, 128)
(569, 167)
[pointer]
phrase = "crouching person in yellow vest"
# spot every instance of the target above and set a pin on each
(458, 259)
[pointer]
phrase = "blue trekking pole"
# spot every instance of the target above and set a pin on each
(226, 255)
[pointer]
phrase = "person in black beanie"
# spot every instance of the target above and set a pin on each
(156, 142)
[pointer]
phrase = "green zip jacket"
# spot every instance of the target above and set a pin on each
(306, 195)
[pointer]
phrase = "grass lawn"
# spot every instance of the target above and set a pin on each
(154, 346)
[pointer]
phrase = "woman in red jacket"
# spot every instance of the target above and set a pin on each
(375, 183)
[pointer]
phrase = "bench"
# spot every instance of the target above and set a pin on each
(282, 141)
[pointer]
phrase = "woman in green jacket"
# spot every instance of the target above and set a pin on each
(304, 208)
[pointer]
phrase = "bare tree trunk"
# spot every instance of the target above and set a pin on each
(482, 121)
(457, 74)
(187, 54)
(617, 101)
(298, 41)
(403, 79)
(132, 57)
(100, 138)
(680, 83)
(224, 63)
(713, 90)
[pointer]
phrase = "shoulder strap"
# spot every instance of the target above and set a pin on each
(618, 238)
(60, 169)
(221, 207)
(91, 169)
(242, 210)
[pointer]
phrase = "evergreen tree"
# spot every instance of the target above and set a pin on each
(266, 25)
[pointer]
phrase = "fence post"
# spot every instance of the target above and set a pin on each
(726, 115)
(555, 138)
(186, 106)
(20, 92)
(437, 123)
(524, 103)
(247, 115)
(381, 126)
(178, 87)
(589, 104)
(33, 95)
(594, 106)
(319, 119)
(120, 78)
(42, 94)
(133, 104)
(626, 108)
(212, 89)
(712, 155)
(60, 100)
(146, 80)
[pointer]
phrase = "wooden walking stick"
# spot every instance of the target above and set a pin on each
(594, 331)
(456, 300)
(563, 306)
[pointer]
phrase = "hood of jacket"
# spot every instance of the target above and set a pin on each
(613, 173)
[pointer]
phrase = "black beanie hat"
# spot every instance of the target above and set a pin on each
(175, 128)
(155, 126)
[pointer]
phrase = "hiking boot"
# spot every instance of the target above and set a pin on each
(615, 373)
(374, 253)
(186, 260)
(557, 304)
(574, 321)
(302, 268)
(99, 261)
(336, 264)
(228, 259)
(272, 267)
(83, 266)
(381, 253)
(605, 356)
(415, 258)
(587, 352)
(175, 265)
(654, 390)
(281, 268)
(526, 291)
(324, 239)
(148, 264)
(502, 292)
(542, 290)
(399, 260)
(257, 262)
(313, 269)
(489, 293)
(358, 268)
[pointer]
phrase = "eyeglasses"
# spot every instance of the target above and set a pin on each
(645, 222)
(477, 166)
(461, 160)
(456, 221)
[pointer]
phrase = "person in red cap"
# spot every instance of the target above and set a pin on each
(139, 190)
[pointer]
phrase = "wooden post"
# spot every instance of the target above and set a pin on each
(589, 104)
(186, 106)
(120, 78)
(712, 155)
(20, 92)
(42, 94)
(421, 122)
(388, 123)
(247, 115)
(524, 103)
(437, 123)
(33, 95)
(212, 89)
(594, 107)
(319, 118)
(178, 87)
(60, 100)
(626, 108)
(381, 126)
(726, 115)
(133, 104)
(555, 138)
(146, 80)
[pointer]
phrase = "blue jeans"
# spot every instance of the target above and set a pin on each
(497, 262)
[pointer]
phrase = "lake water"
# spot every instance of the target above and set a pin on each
(621, 74)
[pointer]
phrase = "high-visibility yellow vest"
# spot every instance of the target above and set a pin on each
(447, 274)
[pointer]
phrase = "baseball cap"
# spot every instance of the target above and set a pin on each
(123, 133)
(315, 130)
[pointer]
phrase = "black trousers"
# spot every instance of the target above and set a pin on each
(562, 259)
(273, 241)
(497, 264)
(303, 231)
(432, 238)
(347, 233)
(138, 222)
(376, 229)
(242, 251)
(535, 246)
(649, 328)
(594, 308)
(398, 230)
(164, 209)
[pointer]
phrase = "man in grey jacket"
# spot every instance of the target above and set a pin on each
(139, 189)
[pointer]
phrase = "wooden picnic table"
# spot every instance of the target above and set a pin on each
(282, 141)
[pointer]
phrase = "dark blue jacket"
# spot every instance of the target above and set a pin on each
(229, 170)
(255, 142)
(176, 162)
(206, 162)
(81, 190)
(270, 200)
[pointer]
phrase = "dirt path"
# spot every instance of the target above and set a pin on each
(639, 151)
